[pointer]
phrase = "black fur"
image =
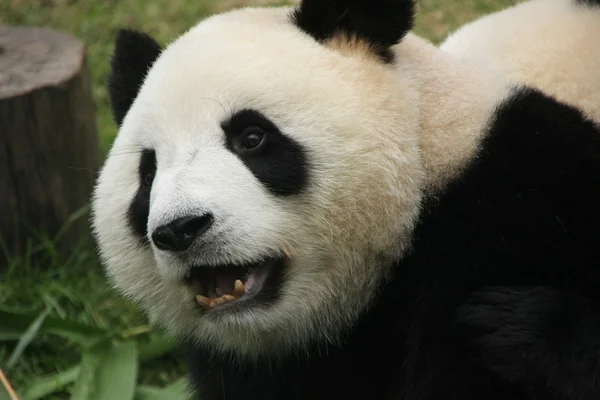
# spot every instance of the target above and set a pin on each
(134, 54)
(505, 325)
(383, 23)
(499, 298)
(280, 163)
(589, 2)
(138, 211)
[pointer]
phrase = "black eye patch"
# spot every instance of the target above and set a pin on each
(275, 159)
(140, 206)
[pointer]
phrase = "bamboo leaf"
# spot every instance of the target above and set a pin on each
(29, 334)
(158, 346)
(146, 392)
(108, 372)
(16, 325)
(49, 384)
(178, 390)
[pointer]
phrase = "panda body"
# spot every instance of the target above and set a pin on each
(547, 44)
(415, 227)
(498, 298)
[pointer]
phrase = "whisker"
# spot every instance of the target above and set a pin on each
(216, 101)
(127, 153)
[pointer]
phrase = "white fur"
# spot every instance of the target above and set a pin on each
(363, 174)
(548, 44)
(373, 147)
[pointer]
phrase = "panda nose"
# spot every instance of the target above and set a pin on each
(178, 235)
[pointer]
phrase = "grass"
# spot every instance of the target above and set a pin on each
(75, 289)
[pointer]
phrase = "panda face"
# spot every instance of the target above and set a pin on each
(261, 182)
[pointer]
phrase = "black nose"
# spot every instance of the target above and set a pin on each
(179, 234)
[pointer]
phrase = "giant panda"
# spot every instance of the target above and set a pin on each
(549, 44)
(323, 205)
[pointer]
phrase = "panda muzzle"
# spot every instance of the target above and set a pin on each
(213, 286)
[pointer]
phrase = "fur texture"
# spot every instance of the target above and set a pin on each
(280, 164)
(381, 23)
(182, 113)
(592, 3)
(135, 52)
(516, 316)
(440, 225)
(547, 44)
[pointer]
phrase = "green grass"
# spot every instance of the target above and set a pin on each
(76, 289)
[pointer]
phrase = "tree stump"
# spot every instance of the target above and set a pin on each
(49, 151)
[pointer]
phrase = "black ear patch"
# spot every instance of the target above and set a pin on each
(134, 54)
(383, 23)
(590, 3)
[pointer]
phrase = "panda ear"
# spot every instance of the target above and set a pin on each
(134, 54)
(382, 23)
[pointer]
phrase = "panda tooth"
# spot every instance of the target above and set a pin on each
(239, 288)
(227, 298)
(203, 301)
(217, 301)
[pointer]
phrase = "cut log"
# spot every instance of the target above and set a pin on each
(49, 152)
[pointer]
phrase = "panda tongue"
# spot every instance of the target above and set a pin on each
(226, 282)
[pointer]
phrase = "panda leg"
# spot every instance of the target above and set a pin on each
(539, 337)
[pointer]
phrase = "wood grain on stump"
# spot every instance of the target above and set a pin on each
(49, 152)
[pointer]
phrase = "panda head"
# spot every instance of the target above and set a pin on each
(266, 173)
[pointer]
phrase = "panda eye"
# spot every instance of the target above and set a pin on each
(252, 138)
(149, 178)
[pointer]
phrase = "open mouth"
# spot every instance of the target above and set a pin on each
(216, 285)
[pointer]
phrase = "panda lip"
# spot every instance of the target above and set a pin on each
(213, 286)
